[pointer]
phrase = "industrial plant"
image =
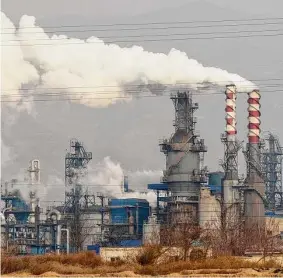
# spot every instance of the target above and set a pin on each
(187, 190)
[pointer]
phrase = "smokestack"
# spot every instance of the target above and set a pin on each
(254, 206)
(254, 117)
(230, 183)
(231, 122)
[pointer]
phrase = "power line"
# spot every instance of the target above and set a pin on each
(155, 35)
(135, 91)
(147, 28)
(114, 98)
(138, 85)
(146, 40)
(157, 23)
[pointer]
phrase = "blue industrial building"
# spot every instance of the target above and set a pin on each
(127, 217)
(18, 228)
(19, 208)
(121, 211)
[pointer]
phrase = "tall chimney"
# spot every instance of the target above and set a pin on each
(231, 122)
(230, 194)
(253, 196)
(254, 117)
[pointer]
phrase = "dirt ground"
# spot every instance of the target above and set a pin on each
(248, 272)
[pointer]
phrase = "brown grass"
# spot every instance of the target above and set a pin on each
(149, 255)
(221, 263)
(87, 263)
(80, 263)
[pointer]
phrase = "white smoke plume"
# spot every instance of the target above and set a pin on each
(107, 177)
(6, 154)
(88, 71)
(16, 71)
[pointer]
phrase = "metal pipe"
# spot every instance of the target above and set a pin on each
(137, 219)
(58, 239)
(68, 239)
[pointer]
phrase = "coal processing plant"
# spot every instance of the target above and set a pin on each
(186, 191)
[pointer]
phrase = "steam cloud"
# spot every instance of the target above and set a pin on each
(108, 176)
(90, 70)
(105, 177)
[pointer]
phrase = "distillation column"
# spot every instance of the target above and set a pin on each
(34, 179)
(183, 174)
(254, 206)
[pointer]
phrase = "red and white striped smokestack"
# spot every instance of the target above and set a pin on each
(231, 122)
(254, 117)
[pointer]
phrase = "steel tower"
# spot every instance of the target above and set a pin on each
(183, 158)
(272, 169)
(76, 161)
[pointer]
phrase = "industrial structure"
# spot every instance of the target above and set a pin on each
(255, 187)
(272, 170)
(231, 202)
(87, 219)
(183, 174)
(22, 228)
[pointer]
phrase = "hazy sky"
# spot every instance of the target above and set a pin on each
(129, 133)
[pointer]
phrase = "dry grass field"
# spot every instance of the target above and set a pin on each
(88, 264)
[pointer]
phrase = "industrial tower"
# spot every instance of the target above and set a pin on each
(34, 180)
(255, 186)
(183, 158)
(231, 193)
(272, 169)
(76, 162)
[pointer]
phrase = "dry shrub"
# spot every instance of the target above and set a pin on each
(117, 262)
(149, 270)
(57, 267)
(88, 259)
(37, 269)
(219, 271)
(41, 264)
(197, 254)
(109, 268)
(149, 255)
(220, 263)
(11, 264)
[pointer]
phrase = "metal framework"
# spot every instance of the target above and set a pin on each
(76, 201)
(76, 161)
(230, 161)
(183, 151)
(184, 112)
(272, 170)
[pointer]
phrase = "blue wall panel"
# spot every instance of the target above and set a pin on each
(122, 209)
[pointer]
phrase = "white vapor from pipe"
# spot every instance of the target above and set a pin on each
(107, 177)
(95, 73)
